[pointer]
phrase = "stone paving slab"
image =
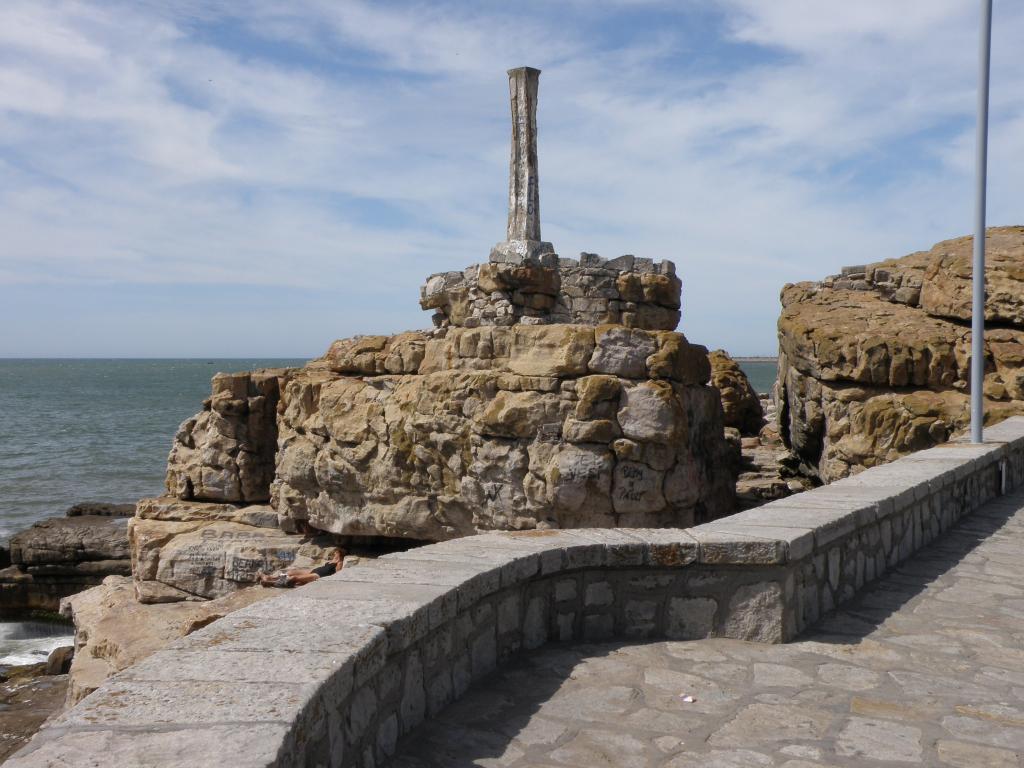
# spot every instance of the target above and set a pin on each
(926, 667)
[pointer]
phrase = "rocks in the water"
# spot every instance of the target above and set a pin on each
(100, 508)
(874, 363)
(226, 451)
(741, 405)
(61, 556)
(186, 550)
(59, 660)
(113, 630)
(86, 538)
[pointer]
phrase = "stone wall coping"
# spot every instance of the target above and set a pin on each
(257, 687)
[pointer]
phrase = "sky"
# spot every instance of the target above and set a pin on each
(257, 178)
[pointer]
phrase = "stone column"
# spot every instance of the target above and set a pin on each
(523, 236)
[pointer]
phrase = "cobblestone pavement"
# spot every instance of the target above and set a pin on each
(926, 667)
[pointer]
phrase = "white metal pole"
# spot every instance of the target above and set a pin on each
(978, 271)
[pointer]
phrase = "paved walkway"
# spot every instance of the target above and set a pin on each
(924, 668)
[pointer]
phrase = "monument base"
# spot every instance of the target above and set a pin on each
(524, 251)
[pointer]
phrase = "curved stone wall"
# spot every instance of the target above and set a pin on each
(334, 673)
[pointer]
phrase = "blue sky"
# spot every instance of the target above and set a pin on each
(256, 178)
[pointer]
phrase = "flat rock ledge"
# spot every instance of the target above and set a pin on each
(61, 556)
(334, 673)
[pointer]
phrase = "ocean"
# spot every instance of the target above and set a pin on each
(761, 374)
(30, 642)
(93, 430)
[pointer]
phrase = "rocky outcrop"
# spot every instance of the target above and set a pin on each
(186, 550)
(741, 407)
(101, 509)
(874, 363)
(113, 630)
(226, 452)
(61, 556)
(550, 393)
(433, 437)
(505, 416)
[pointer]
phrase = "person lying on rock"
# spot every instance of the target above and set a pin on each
(296, 577)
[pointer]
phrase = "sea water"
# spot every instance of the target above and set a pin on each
(93, 430)
(30, 642)
(761, 374)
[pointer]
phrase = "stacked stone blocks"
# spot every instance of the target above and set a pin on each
(631, 291)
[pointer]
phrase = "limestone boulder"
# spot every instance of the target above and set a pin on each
(870, 370)
(195, 551)
(372, 355)
(508, 428)
(741, 407)
(946, 289)
(858, 336)
(554, 350)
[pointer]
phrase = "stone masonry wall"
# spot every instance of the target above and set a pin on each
(389, 642)
(634, 292)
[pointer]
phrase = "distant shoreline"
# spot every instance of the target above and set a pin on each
(765, 359)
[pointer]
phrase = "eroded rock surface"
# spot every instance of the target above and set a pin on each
(226, 451)
(874, 363)
(184, 550)
(502, 427)
(740, 404)
(636, 293)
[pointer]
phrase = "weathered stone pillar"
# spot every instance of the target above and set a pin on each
(523, 236)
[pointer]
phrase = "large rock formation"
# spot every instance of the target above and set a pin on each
(551, 393)
(874, 363)
(435, 434)
(469, 429)
(226, 451)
